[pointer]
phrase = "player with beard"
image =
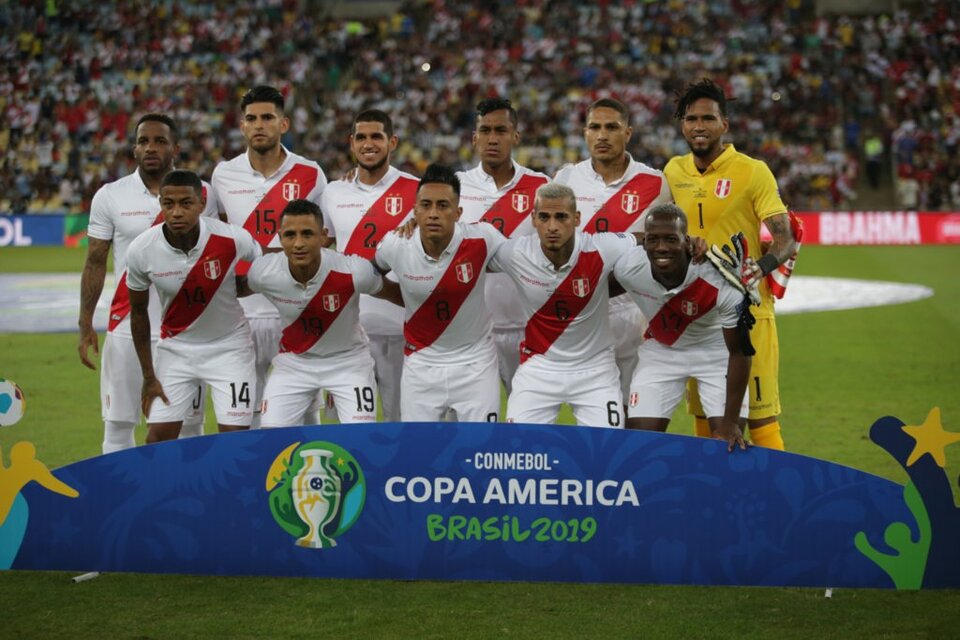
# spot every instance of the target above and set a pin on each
(725, 192)
(253, 189)
(120, 212)
(614, 191)
(360, 211)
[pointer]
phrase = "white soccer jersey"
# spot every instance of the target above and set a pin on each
(690, 315)
(566, 309)
(617, 207)
(198, 290)
(120, 212)
(359, 215)
(319, 318)
(447, 322)
(254, 201)
(508, 209)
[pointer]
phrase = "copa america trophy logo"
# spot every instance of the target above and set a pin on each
(316, 492)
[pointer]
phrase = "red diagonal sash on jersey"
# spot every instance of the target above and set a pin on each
(621, 210)
(681, 311)
(120, 305)
(264, 221)
(560, 310)
(514, 206)
(319, 314)
(440, 308)
(383, 215)
(201, 285)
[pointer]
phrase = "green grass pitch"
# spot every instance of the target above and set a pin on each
(839, 371)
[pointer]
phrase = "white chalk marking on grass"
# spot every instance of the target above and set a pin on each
(813, 293)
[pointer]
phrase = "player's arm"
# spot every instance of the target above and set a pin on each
(390, 292)
(783, 247)
(243, 287)
(91, 286)
(140, 329)
(738, 375)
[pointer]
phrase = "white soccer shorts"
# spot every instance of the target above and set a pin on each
(121, 382)
(387, 352)
(660, 380)
(593, 393)
(508, 353)
(429, 390)
(225, 364)
(266, 344)
(627, 324)
(295, 380)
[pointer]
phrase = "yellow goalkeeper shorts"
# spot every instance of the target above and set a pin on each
(763, 389)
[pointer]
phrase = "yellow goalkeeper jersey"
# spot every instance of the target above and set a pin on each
(735, 193)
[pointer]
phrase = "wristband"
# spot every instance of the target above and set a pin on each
(767, 263)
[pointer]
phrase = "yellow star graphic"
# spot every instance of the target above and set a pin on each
(931, 438)
(341, 462)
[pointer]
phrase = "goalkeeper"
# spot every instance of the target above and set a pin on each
(725, 192)
(699, 328)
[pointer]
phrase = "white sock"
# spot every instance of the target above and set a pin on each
(118, 436)
(192, 428)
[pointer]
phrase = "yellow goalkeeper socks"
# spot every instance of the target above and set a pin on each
(701, 427)
(767, 436)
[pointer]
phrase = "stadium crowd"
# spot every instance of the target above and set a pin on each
(817, 98)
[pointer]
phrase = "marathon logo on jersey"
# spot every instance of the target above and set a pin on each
(520, 202)
(689, 308)
(634, 398)
(722, 190)
(464, 272)
(581, 287)
(211, 269)
(331, 302)
(393, 205)
(291, 191)
(630, 202)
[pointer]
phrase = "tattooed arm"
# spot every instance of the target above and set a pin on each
(91, 286)
(783, 247)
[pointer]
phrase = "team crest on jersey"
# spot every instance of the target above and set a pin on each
(394, 205)
(291, 191)
(520, 201)
(581, 287)
(331, 302)
(634, 398)
(211, 269)
(689, 308)
(630, 202)
(464, 272)
(722, 190)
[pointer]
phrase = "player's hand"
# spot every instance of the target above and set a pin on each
(731, 263)
(88, 340)
(731, 433)
(405, 230)
(697, 248)
(152, 389)
(752, 274)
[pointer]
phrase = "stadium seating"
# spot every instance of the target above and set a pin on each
(809, 90)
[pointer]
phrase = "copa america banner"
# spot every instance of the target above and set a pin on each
(486, 502)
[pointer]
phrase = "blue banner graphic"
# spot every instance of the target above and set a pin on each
(31, 230)
(485, 502)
